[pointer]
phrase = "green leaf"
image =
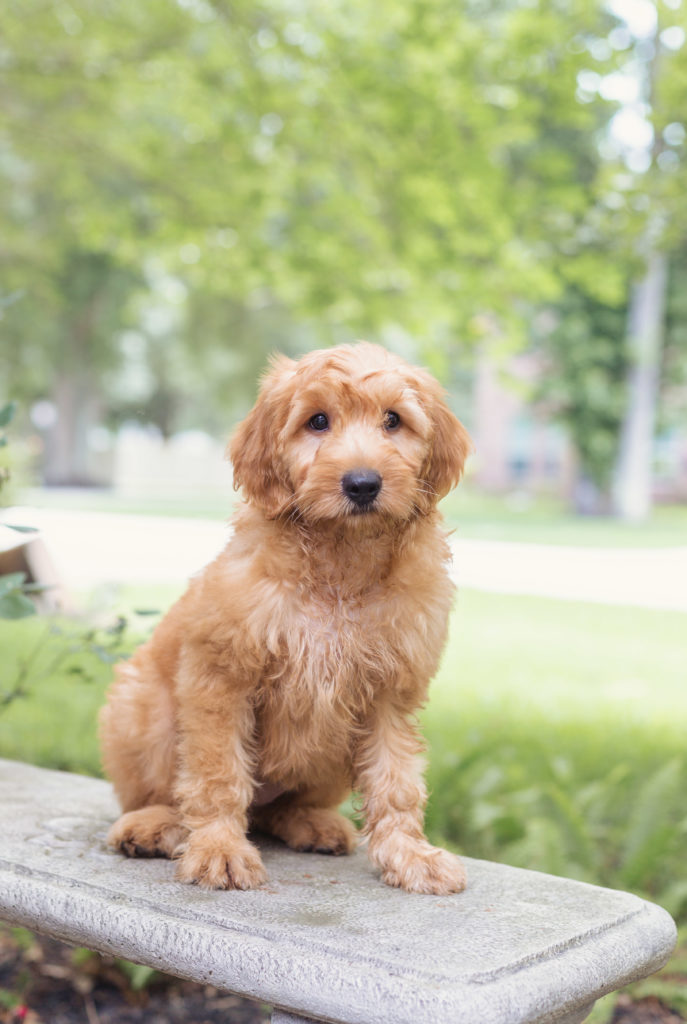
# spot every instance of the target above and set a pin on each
(81, 956)
(141, 976)
(509, 829)
(15, 606)
(137, 974)
(11, 581)
(674, 897)
(21, 529)
(574, 830)
(7, 413)
(9, 999)
(649, 835)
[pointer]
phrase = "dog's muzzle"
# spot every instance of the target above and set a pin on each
(362, 486)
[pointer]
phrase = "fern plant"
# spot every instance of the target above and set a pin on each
(522, 803)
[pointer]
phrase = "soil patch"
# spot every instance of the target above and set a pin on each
(46, 982)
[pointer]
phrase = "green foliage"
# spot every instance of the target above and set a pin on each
(13, 601)
(430, 175)
(583, 385)
(6, 415)
(58, 651)
(9, 999)
(572, 764)
(7, 412)
(524, 802)
(138, 976)
(306, 179)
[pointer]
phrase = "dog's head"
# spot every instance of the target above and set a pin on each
(348, 432)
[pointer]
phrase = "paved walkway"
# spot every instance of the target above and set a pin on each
(91, 548)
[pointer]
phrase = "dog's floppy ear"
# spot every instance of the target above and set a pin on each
(253, 449)
(450, 446)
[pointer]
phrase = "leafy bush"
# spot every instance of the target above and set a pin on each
(584, 809)
(53, 676)
(15, 601)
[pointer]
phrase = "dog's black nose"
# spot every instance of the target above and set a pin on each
(361, 485)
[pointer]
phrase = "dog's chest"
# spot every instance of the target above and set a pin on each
(328, 662)
(332, 643)
(353, 646)
(324, 670)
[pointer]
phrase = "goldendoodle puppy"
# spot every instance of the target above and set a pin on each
(292, 669)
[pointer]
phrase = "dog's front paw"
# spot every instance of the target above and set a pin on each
(416, 866)
(215, 858)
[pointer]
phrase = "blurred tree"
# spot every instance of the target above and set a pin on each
(674, 367)
(347, 170)
(658, 64)
(604, 380)
(64, 348)
(583, 387)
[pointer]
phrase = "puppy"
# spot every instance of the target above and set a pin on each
(292, 669)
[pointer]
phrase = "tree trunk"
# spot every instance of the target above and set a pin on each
(76, 394)
(67, 460)
(646, 325)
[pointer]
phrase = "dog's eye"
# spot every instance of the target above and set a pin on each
(391, 420)
(318, 422)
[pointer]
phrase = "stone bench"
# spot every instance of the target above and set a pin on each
(324, 939)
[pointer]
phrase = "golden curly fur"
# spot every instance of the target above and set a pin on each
(291, 670)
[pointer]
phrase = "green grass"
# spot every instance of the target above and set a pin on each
(517, 517)
(556, 738)
(211, 504)
(540, 520)
(521, 656)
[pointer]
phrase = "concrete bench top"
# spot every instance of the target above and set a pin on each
(324, 938)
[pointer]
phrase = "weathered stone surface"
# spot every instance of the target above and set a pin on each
(324, 938)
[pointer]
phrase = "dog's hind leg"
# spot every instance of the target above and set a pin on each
(154, 831)
(138, 734)
(308, 820)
